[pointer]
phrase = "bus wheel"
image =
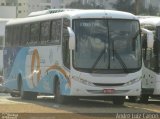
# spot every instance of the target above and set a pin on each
(23, 94)
(133, 98)
(14, 94)
(31, 95)
(144, 98)
(58, 97)
(118, 100)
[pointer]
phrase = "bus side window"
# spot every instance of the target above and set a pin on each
(45, 32)
(56, 32)
(18, 36)
(65, 43)
(35, 33)
(25, 34)
(10, 36)
(7, 36)
(13, 36)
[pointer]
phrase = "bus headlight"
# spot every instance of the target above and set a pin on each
(132, 81)
(85, 82)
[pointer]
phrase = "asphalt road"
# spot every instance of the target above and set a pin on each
(45, 105)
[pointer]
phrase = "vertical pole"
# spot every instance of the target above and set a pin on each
(136, 7)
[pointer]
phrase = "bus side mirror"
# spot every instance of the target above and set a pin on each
(150, 39)
(72, 41)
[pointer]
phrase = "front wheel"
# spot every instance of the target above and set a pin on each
(25, 94)
(118, 100)
(14, 94)
(144, 98)
(133, 99)
(59, 98)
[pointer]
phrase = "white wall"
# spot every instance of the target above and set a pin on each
(7, 12)
(2, 27)
(22, 8)
(2, 37)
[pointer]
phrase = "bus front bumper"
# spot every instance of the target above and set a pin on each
(79, 89)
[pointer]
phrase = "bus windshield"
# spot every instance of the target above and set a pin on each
(104, 45)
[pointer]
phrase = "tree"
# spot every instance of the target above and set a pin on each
(124, 5)
(153, 10)
(79, 5)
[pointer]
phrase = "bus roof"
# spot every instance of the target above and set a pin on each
(154, 21)
(50, 11)
(75, 14)
(4, 19)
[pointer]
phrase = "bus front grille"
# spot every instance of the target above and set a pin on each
(108, 84)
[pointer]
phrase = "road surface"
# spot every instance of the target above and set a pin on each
(88, 109)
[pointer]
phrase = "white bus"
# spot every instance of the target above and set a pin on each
(2, 37)
(151, 57)
(74, 53)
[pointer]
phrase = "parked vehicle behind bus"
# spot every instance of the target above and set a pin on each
(74, 53)
(150, 31)
(151, 58)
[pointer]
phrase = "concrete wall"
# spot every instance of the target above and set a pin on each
(2, 37)
(8, 12)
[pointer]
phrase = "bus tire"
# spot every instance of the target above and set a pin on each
(144, 99)
(58, 97)
(31, 95)
(133, 99)
(118, 100)
(14, 94)
(27, 95)
(23, 94)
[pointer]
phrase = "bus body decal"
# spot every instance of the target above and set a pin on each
(35, 59)
(56, 67)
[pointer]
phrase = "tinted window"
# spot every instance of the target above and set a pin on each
(34, 38)
(7, 36)
(56, 31)
(17, 39)
(25, 34)
(45, 32)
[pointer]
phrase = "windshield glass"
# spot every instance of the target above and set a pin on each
(107, 44)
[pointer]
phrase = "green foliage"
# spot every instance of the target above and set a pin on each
(1, 72)
(124, 5)
(79, 5)
(135, 7)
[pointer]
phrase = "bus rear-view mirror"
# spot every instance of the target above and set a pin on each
(72, 41)
(149, 37)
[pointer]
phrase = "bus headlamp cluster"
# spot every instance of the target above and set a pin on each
(83, 81)
(132, 81)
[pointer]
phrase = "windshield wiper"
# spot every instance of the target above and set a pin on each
(98, 59)
(121, 62)
(119, 58)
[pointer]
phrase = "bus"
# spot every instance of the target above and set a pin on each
(151, 58)
(2, 37)
(72, 54)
